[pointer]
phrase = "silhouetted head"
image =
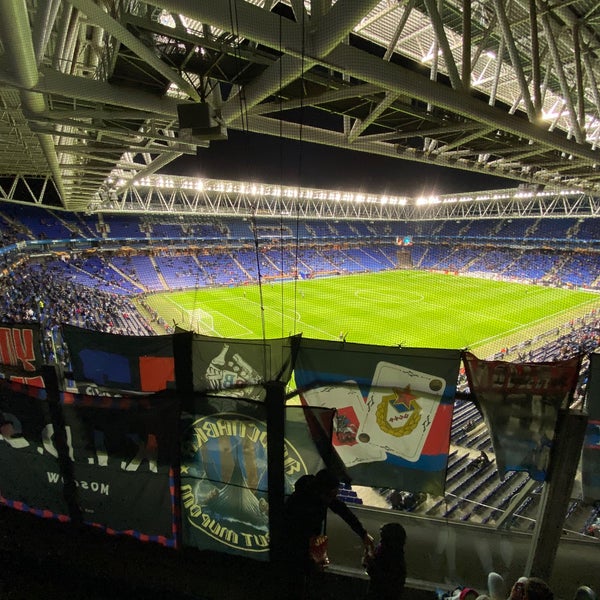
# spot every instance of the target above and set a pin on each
(327, 484)
(393, 533)
(537, 589)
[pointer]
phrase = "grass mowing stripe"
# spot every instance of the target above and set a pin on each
(412, 308)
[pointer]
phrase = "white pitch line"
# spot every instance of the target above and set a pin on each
(389, 297)
(246, 330)
(440, 306)
(531, 323)
(298, 319)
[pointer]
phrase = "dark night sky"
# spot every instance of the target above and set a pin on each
(265, 159)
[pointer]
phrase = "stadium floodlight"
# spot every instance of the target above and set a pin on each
(427, 200)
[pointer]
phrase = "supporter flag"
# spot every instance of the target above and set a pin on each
(28, 456)
(520, 404)
(393, 409)
(124, 454)
(20, 353)
(106, 361)
(591, 446)
(233, 367)
(224, 470)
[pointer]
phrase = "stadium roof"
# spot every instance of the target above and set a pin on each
(166, 194)
(90, 91)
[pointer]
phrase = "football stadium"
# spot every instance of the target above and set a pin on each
(184, 338)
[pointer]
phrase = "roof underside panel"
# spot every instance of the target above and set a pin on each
(89, 90)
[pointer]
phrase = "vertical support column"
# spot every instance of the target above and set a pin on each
(535, 59)
(557, 493)
(579, 77)
(466, 45)
(53, 383)
(275, 402)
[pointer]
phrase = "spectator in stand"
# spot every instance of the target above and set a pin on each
(531, 588)
(304, 519)
(537, 589)
(386, 566)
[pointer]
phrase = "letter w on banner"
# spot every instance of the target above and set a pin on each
(394, 409)
(520, 404)
(124, 454)
(591, 447)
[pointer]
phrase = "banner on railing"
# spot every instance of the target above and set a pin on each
(394, 409)
(107, 362)
(30, 477)
(21, 353)
(234, 367)
(520, 404)
(125, 453)
(115, 467)
(224, 470)
(591, 446)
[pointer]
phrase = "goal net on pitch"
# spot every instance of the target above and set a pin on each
(201, 321)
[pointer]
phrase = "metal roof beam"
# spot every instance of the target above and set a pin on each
(564, 85)
(404, 81)
(18, 44)
(99, 17)
(331, 30)
(442, 40)
(514, 58)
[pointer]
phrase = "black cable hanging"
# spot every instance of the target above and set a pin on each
(281, 241)
(300, 154)
(235, 30)
(233, 13)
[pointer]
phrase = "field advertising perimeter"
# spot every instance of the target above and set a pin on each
(408, 308)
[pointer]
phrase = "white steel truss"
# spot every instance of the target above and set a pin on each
(90, 89)
(209, 197)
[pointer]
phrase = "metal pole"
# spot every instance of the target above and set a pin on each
(564, 460)
(275, 401)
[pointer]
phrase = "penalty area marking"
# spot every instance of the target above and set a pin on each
(298, 319)
(246, 331)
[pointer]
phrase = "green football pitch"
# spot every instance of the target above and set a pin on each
(408, 308)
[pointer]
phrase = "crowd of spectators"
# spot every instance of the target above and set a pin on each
(34, 292)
